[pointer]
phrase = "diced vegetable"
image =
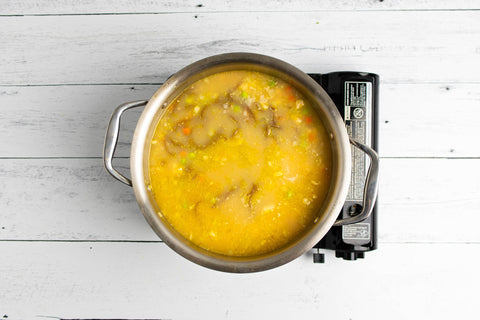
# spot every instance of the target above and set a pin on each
(240, 164)
(187, 130)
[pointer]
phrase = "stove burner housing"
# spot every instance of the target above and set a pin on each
(356, 96)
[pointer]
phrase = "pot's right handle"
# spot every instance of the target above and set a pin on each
(111, 139)
(371, 186)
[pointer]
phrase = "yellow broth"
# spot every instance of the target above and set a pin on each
(240, 163)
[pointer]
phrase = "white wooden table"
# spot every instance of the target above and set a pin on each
(73, 243)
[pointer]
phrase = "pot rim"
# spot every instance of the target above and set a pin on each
(340, 155)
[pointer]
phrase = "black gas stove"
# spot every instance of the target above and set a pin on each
(356, 97)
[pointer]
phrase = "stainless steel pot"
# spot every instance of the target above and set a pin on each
(340, 144)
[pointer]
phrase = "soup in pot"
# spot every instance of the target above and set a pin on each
(240, 163)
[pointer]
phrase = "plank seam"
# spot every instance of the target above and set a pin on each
(232, 12)
(81, 241)
(160, 241)
(59, 318)
(453, 82)
(127, 157)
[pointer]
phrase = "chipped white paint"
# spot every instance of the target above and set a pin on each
(13, 7)
(55, 194)
(75, 199)
(402, 46)
(70, 121)
(149, 281)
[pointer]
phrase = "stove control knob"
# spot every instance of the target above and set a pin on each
(349, 255)
(318, 257)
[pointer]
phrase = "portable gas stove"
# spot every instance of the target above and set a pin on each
(356, 96)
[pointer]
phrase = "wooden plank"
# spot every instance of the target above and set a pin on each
(409, 47)
(67, 199)
(23, 7)
(65, 121)
(149, 281)
(75, 199)
(70, 121)
(429, 200)
(429, 120)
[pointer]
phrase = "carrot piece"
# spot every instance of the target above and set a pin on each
(187, 131)
(311, 136)
(308, 119)
(183, 153)
(290, 95)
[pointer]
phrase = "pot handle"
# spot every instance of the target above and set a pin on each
(370, 189)
(111, 139)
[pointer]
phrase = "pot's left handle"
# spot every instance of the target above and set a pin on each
(111, 139)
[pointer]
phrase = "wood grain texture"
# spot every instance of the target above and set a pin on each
(73, 243)
(429, 120)
(24, 7)
(70, 121)
(75, 199)
(68, 199)
(65, 121)
(402, 46)
(138, 280)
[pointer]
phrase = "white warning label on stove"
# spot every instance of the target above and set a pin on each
(358, 113)
(358, 231)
